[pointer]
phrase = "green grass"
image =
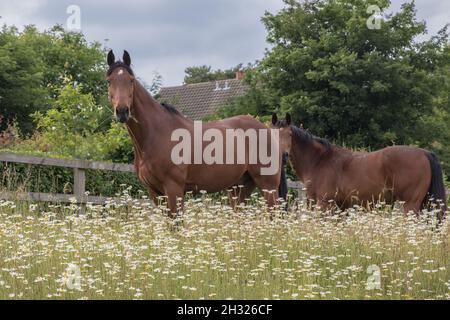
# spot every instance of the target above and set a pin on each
(131, 251)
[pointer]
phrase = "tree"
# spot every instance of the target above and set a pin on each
(21, 76)
(72, 128)
(342, 80)
(35, 65)
(206, 74)
(68, 55)
(76, 126)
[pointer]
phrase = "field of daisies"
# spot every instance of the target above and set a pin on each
(129, 249)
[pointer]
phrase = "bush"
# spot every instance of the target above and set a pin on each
(76, 127)
(30, 178)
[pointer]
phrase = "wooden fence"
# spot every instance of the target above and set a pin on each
(79, 178)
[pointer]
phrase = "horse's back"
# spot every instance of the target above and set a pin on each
(237, 122)
(403, 157)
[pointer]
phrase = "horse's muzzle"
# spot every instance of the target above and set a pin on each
(123, 114)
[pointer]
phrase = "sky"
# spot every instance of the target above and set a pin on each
(166, 36)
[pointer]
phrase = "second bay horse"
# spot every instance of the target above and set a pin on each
(341, 177)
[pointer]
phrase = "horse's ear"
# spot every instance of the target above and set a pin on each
(274, 118)
(111, 58)
(288, 119)
(126, 58)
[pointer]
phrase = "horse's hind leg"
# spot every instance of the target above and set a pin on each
(413, 202)
(269, 188)
(413, 198)
(246, 185)
(246, 191)
(412, 206)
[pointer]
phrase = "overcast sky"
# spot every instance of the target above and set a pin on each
(166, 36)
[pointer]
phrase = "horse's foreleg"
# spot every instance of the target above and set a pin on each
(154, 196)
(174, 192)
(272, 198)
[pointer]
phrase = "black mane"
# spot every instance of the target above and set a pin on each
(170, 108)
(305, 136)
(119, 64)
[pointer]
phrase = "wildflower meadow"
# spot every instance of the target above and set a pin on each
(130, 249)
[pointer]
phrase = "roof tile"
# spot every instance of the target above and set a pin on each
(198, 100)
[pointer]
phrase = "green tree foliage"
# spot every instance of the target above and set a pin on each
(258, 100)
(53, 88)
(72, 128)
(21, 78)
(67, 55)
(34, 66)
(198, 74)
(342, 80)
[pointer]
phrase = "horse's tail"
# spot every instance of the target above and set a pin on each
(436, 190)
(282, 188)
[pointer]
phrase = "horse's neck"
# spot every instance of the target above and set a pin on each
(305, 157)
(149, 121)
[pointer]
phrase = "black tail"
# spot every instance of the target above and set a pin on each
(436, 191)
(282, 188)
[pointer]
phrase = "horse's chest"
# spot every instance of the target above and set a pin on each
(146, 175)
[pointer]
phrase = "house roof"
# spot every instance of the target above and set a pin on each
(198, 100)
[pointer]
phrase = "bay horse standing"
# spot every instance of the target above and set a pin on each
(151, 125)
(338, 176)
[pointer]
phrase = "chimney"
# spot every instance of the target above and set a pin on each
(240, 74)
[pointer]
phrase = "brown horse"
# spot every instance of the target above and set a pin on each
(338, 176)
(153, 126)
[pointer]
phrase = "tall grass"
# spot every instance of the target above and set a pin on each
(130, 250)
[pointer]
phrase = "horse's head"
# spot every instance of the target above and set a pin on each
(121, 84)
(285, 130)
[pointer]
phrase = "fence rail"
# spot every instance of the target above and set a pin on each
(79, 174)
(79, 178)
(76, 164)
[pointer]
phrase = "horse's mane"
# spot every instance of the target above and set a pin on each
(170, 108)
(305, 136)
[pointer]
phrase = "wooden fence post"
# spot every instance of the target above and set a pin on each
(79, 187)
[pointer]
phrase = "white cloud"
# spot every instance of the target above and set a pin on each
(20, 13)
(169, 35)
